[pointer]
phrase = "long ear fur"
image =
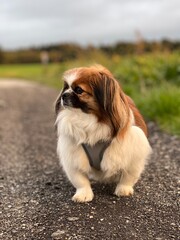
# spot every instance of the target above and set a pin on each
(114, 107)
(139, 121)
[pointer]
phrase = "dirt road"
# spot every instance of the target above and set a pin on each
(35, 200)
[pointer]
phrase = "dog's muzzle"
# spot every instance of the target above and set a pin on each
(67, 99)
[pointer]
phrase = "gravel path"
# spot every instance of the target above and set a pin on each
(35, 195)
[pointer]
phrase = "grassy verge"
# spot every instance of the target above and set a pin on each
(152, 80)
(48, 75)
(162, 105)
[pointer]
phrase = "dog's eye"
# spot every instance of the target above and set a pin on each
(78, 90)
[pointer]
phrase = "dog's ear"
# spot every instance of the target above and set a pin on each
(112, 101)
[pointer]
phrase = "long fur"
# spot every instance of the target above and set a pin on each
(100, 112)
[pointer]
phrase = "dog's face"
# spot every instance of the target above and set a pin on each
(94, 91)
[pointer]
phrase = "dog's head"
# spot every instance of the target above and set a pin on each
(95, 91)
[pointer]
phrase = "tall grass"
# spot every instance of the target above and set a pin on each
(152, 80)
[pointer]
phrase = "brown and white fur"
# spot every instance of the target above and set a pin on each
(92, 107)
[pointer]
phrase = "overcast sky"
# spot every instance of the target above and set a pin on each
(25, 23)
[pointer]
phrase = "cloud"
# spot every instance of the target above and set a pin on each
(36, 22)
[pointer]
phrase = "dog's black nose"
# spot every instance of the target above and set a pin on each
(65, 95)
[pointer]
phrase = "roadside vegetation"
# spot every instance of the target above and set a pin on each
(151, 79)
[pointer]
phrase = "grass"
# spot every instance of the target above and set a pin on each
(162, 105)
(153, 81)
(48, 75)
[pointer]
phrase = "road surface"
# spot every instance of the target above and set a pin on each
(35, 200)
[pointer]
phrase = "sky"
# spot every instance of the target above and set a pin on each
(30, 23)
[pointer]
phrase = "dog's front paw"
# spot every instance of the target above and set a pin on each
(124, 190)
(83, 195)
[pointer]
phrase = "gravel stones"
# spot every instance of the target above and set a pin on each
(35, 199)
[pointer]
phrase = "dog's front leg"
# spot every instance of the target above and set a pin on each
(81, 182)
(128, 179)
(125, 185)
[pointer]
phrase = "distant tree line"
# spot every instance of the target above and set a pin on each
(140, 47)
(71, 51)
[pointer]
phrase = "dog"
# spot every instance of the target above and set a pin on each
(101, 133)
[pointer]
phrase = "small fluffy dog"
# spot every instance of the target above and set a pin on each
(101, 133)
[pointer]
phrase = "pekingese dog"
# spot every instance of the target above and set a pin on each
(101, 133)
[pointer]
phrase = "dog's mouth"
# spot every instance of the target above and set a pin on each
(66, 103)
(67, 100)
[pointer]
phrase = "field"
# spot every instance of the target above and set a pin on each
(152, 80)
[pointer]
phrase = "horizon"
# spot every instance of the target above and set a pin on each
(88, 45)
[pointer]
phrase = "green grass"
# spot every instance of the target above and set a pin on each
(48, 75)
(153, 81)
(162, 105)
